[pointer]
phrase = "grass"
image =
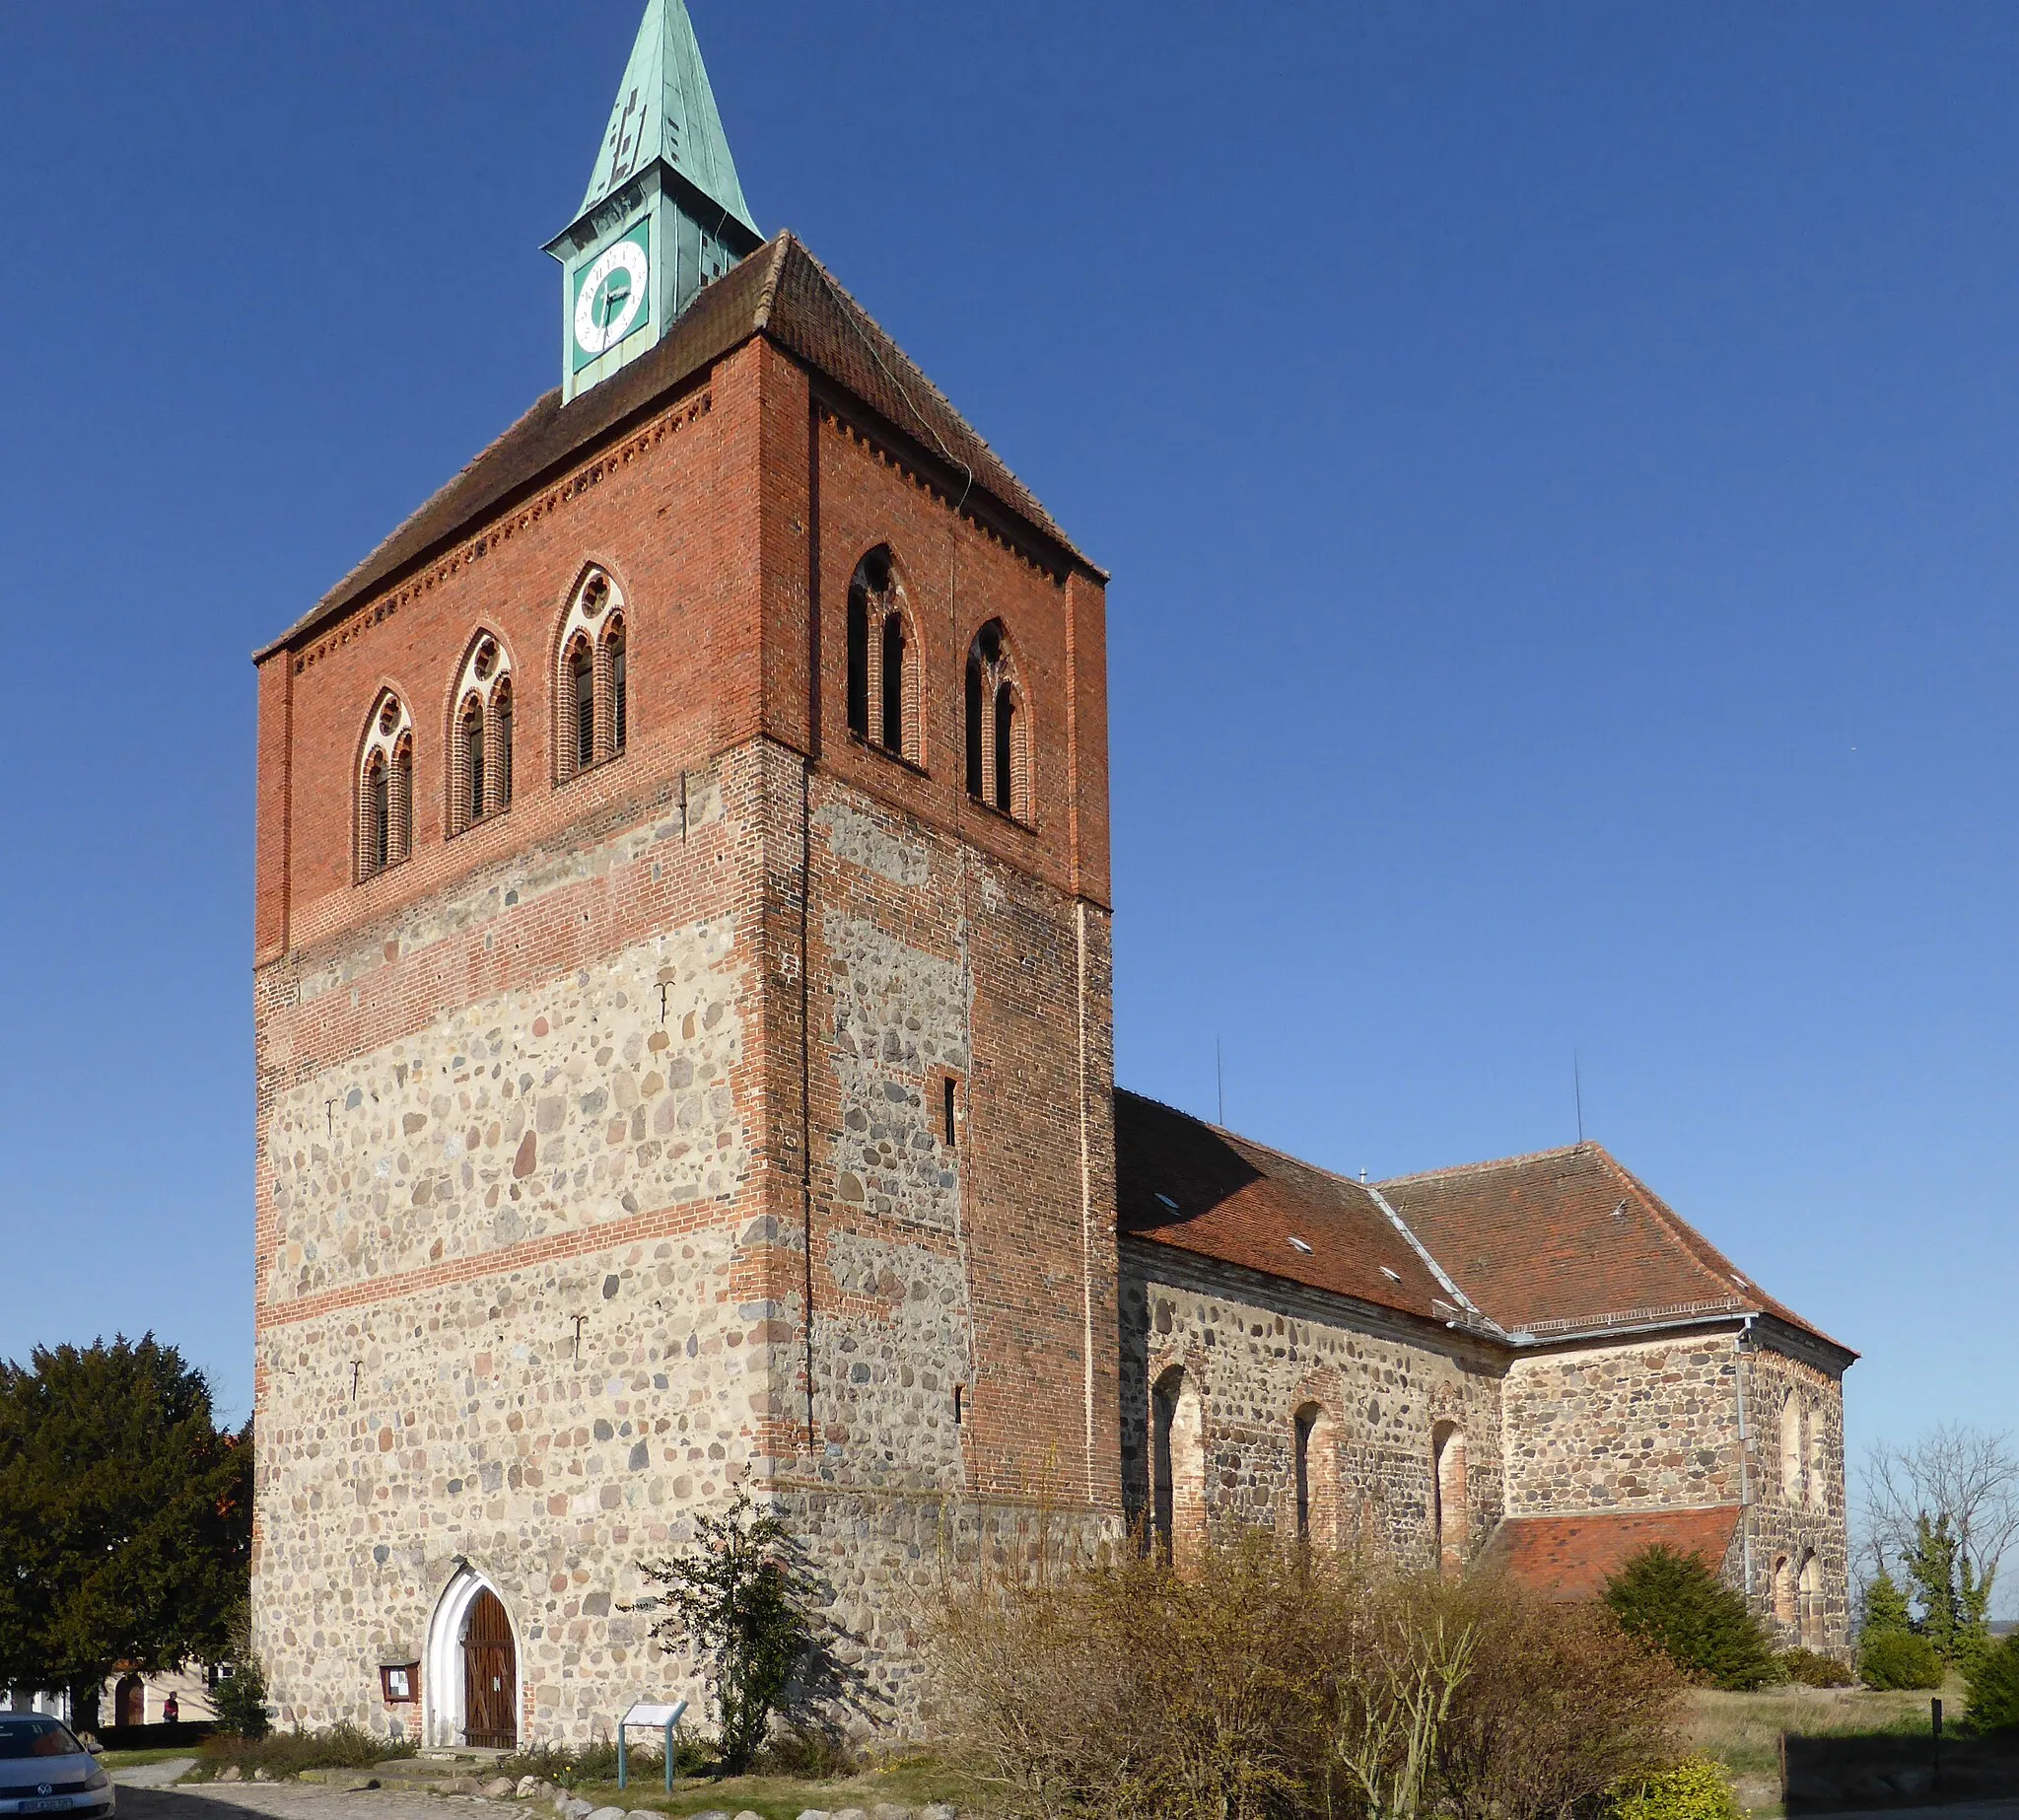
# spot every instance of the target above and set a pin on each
(910, 1781)
(1743, 1730)
(134, 1759)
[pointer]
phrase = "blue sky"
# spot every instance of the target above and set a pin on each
(1557, 464)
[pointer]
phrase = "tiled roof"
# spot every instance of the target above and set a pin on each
(1558, 1244)
(782, 292)
(1568, 1239)
(1573, 1557)
(1189, 1185)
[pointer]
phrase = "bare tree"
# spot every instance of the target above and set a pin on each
(1966, 1474)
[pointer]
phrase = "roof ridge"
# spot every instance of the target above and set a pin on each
(1496, 1162)
(780, 248)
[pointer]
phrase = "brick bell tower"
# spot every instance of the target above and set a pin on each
(682, 998)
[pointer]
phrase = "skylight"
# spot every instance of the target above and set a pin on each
(1393, 1275)
(1168, 1202)
(1300, 1244)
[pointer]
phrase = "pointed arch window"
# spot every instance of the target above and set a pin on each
(480, 739)
(384, 789)
(1792, 1486)
(998, 727)
(593, 692)
(882, 660)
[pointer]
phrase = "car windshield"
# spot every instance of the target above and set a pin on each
(37, 1738)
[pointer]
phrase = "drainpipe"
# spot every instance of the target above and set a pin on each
(1743, 1348)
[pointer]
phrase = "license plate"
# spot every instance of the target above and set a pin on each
(54, 1805)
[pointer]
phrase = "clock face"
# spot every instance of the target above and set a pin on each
(611, 296)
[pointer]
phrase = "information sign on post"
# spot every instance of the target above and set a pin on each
(658, 1718)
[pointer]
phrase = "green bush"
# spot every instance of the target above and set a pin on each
(240, 1701)
(1898, 1659)
(1674, 1603)
(1812, 1668)
(1694, 1789)
(1994, 1680)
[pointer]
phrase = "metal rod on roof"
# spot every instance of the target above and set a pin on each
(1577, 1088)
(1220, 1080)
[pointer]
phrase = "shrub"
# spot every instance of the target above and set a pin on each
(740, 1599)
(1673, 1602)
(1268, 1683)
(287, 1753)
(1561, 1706)
(1886, 1607)
(1812, 1668)
(240, 1701)
(1898, 1659)
(1693, 1790)
(1994, 1680)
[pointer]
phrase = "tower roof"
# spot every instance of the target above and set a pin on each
(782, 293)
(666, 110)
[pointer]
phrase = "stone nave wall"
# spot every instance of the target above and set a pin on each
(1256, 1350)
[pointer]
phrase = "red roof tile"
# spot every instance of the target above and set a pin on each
(1568, 1239)
(1189, 1185)
(1573, 1557)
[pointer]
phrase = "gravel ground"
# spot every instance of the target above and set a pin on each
(284, 1801)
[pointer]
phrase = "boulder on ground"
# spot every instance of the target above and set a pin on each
(498, 1786)
(606, 1813)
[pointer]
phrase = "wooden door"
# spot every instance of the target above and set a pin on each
(490, 1676)
(129, 1702)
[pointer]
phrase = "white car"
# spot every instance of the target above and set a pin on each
(43, 1769)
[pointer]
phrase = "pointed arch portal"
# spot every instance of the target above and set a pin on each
(470, 1679)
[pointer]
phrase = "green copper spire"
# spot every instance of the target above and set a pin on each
(663, 213)
(665, 109)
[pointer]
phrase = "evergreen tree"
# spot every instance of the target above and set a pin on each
(1955, 1604)
(125, 1517)
(1886, 1607)
(1673, 1602)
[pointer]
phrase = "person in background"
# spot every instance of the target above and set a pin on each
(171, 1711)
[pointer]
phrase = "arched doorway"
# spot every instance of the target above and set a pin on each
(129, 1702)
(1783, 1589)
(469, 1682)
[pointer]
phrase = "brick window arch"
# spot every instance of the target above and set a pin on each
(1319, 1502)
(1809, 1601)
(1783, 1589)
(385, 816)
(593, 678)
(1177, 1469)
(1452, 1510)
(884, 660)
(480, 736)
(999, 742)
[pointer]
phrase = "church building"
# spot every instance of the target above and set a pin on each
(684, 1036)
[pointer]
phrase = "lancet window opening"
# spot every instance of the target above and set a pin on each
(883, 660)
(1793, 1486)
(480, 739)
(384, 789)
(998, 727)
(592, 684)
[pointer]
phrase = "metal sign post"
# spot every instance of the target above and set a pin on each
(660, 1717)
